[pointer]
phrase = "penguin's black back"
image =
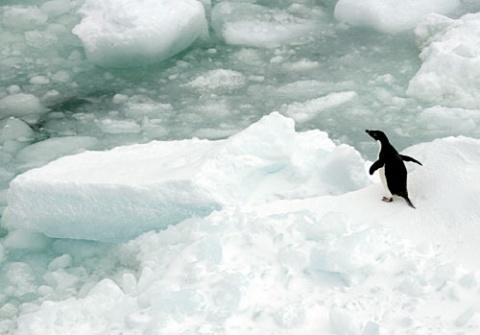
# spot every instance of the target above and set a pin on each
(395, 170)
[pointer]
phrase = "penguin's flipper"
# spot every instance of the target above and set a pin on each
(409, 159)
(375, 166)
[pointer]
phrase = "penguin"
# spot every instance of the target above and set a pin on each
(392, 170)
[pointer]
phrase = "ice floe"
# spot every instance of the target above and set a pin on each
(125, 33)
(450, 57)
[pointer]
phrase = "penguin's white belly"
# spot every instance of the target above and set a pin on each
(381, 173)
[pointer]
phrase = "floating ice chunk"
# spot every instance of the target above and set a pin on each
(40, 39)
(307, 89)
(110, 126)
(306, 111)
(120, 98)
(102, 193)
(255, 25)
(302, 65)
(129, 284)
(42, 152)
(220, 80)
(16, 129)
(116, 195)
(26, 240)
(39, 80)
(105, 295)
(54, 8)
(154, 128)
(60, 262)
(125, 33)
(5, 175)
(21, 279)
(390, 16)
(61, 281)
(23, 17)
(139, 106)
(14, 89)
(431, 29)
(450, 120)
(450, 62)
(20, 105)
(2, 253)
(61, 76)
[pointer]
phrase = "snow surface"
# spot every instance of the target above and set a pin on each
(117, 195)
(328, 264)
(133, 33)
(390, 16)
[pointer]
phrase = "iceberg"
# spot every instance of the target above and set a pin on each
(135, 33)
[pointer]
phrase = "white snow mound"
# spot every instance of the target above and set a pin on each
(119, 194)
(124, 33)
(346, 264)
(390, 16)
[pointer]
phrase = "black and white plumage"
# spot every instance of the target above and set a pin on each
(392, 170)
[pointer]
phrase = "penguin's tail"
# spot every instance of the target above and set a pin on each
(404, 195)
(408, 201)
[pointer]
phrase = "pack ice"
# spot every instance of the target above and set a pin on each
(119, 194)
(133, 33)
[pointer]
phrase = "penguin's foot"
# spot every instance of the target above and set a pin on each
(387, 199)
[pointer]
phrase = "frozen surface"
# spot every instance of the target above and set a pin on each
(390, 16)
(116, 195)
(133, 33)
(450, 61)
(344, 264)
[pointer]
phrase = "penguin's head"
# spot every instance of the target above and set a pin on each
(377, 135)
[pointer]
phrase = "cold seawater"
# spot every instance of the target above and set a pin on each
(240, 256)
